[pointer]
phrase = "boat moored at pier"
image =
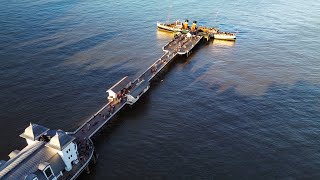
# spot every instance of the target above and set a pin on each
(210, 32)
(174, 27)
(224, 36)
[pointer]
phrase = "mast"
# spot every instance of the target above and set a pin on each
(169, 11)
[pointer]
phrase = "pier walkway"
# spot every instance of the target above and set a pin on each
(181, 44)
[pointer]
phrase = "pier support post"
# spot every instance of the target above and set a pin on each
(207, 37)
(88, 169)
(94, 158)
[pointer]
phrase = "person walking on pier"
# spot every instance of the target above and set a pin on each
(113, 108)
(110, 109)
(186, 24)
(194, 27)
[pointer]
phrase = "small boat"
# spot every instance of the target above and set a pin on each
(209, 30)
(224, 36)
(205, 31)
(174, 27)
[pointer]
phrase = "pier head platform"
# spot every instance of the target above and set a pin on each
(55, 154)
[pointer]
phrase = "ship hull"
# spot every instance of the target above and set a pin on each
(224, 37)
(168, 27)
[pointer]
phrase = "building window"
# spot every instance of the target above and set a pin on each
(48, 172)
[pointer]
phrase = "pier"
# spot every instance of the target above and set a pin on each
(125, 92)
(180, 45)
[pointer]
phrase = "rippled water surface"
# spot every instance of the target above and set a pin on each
(243, 110)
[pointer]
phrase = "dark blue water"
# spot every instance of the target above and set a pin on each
(243, 110)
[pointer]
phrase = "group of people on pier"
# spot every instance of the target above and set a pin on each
(84, 146)
(122, 95)
(153, 69)
(193, 27)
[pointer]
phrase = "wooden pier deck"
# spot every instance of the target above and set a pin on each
(181, 44)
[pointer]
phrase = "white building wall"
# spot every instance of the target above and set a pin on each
(131, 99)
(111, 95)
(69, 154)
(30, 142)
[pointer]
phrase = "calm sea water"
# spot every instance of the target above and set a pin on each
(243, 110)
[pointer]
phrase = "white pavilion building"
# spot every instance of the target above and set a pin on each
(48, 154)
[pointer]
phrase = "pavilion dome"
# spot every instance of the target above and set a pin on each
(60, 140)
(33, 132)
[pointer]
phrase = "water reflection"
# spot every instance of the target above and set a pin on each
(219, 42)
(164, 35)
